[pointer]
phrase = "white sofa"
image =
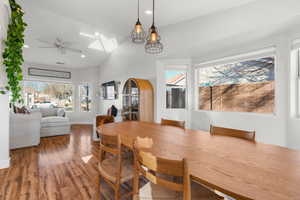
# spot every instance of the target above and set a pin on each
(24, 130)
(54, 122)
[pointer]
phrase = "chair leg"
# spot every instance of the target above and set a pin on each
(117, 193)
(135, 189)
(100, 196)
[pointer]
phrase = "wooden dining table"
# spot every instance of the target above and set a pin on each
(233, 166)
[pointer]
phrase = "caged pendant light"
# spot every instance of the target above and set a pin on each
(138, 34)
(153, 44)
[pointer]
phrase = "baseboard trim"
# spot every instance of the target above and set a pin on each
(83, 123)
(4, 164)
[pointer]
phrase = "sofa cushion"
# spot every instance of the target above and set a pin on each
(47, 112)
(54, 121)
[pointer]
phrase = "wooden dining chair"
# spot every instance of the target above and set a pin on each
(166, 122)
(101, 120)
(160, 173)
(113, 169)
(247, 135)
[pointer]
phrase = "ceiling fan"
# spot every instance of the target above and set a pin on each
(60, 45)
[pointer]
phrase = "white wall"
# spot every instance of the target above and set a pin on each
(79, 76)
(239, 30)
(4, 103)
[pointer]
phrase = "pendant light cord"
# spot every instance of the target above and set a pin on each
(153, 12)
(138, 9)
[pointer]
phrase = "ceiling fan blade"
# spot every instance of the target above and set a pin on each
(67, 44)
(47, 47)
(44, 41)
(73, 50)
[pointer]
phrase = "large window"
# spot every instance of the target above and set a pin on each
(48, 94)
(85, 97)
(246, 86)
(175, 89)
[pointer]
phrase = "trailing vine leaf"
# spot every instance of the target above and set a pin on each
(13, 52)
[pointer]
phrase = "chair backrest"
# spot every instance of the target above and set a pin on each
(104, 119)
(155, 168)
(180, 124)
(112, 145)
(247, 135)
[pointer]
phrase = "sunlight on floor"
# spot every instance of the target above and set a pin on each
(86, 158)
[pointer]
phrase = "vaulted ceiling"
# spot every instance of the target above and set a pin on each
(51, 19)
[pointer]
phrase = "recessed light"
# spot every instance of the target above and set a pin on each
(97, 33)
(26, 46)
(82, 56)
(148, 12)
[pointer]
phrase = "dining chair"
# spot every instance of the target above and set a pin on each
(166, 122)
(113, 168)
(160, 173)
(101, 120)
(247, 135)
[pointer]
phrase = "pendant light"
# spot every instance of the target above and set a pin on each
(138, 34)
(153, 44)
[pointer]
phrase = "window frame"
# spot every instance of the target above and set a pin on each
(185, 70)
(55, 82)
(298, 85)
(268, 52)
(90, 97)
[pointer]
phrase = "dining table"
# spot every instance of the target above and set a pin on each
(238, 168)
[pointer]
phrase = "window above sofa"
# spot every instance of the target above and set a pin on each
(39, 94)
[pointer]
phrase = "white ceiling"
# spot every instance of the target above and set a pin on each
(49, 19)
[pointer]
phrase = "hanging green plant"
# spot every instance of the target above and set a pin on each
(13, 52)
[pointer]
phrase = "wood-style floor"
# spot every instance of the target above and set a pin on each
(62, 167)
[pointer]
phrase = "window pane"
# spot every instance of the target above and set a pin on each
(85, 98)
(110, 91)
(246, 86)
(175, 89)
(46, 94)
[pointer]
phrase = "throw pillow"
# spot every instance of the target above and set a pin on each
(61, 112)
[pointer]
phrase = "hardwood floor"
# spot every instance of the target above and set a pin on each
(62, 167)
